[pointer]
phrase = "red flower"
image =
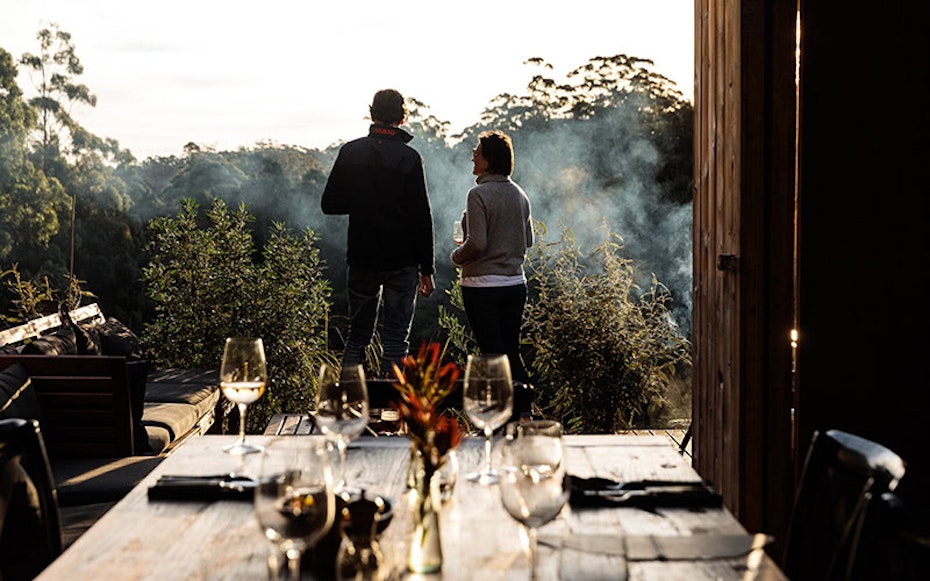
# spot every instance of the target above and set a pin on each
(423, 383)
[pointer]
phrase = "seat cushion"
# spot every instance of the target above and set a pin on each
(92, 480)
(176, 418)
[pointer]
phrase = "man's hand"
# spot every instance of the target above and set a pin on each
(427, 285)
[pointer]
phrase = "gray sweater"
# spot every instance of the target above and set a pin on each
(498, 228)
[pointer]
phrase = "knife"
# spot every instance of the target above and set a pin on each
(661, 548)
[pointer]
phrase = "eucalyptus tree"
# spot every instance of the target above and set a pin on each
(30, 202)
(54, 72)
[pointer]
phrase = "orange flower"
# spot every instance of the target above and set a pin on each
(423, 383)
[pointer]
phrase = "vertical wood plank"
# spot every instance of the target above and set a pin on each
(743, 208)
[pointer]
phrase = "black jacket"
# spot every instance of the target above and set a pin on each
(379, 182)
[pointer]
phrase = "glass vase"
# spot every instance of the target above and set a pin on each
(424, 553)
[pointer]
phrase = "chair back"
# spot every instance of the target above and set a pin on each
(842, 473)
(894, 542)
(30, 524)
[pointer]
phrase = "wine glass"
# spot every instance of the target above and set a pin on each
(243, 376)
(294, 501)
(533, 481)
(341, 409)
(488, 402)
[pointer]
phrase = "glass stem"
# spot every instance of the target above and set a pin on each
(488, 434)
(293, 564)
(531, 535)
(341, 446)
(242, 407)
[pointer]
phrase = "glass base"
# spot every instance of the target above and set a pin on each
(485, 477)
(242, 448)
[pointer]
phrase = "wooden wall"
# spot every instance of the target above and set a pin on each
(864, 182)
(743, 254)
(846, 262)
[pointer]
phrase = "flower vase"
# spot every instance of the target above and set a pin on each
(424, 554)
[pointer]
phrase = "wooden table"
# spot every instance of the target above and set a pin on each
(142, 539)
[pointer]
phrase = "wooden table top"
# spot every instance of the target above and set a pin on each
(165, 540)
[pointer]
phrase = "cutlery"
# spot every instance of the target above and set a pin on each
(667, 548)
(228, 477)
(240, 484)
(646, 494)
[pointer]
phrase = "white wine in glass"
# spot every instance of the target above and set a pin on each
(295, 502)
(341, 409)
(243, 377)
(488, 402)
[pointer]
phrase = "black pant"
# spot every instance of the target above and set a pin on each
(495, 315)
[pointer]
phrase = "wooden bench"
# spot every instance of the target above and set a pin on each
(106, 420)
(85, 403)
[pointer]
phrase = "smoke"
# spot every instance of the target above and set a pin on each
(585, 175)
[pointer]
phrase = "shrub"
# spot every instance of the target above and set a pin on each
(209, 282)
(602, 353)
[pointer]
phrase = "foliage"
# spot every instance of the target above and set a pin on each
(603, 353)
(57, 67)
(37, 298)
(423, 383)
(209, 282)
(31, 204)
(459, 339)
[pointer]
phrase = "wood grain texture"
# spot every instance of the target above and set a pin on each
(162, 540)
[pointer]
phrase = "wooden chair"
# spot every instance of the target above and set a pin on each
(30, 524)
(841, 474)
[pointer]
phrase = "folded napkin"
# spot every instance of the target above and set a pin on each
(645, 494)
(203, 488)
(661, 548)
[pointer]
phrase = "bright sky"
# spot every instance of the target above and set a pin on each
(230, 73)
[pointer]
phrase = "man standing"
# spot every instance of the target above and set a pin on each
(379, 182)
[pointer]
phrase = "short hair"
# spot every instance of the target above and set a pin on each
(388, 107)
(497, 148)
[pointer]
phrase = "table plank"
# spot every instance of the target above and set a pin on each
(161, 540)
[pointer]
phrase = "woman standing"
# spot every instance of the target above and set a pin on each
(498, 230)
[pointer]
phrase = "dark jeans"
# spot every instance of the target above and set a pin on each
(495, 315)
(395, 292)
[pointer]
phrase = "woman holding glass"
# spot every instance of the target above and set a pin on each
(498, 230)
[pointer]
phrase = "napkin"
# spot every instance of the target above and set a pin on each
(645, 494)
(203, 488)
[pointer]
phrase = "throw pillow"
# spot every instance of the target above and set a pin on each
(18, 399)
(61, 342)
(86, 338)
(118, 339)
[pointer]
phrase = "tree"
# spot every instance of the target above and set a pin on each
(30, 202)
(209, 281)
(57, 67)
